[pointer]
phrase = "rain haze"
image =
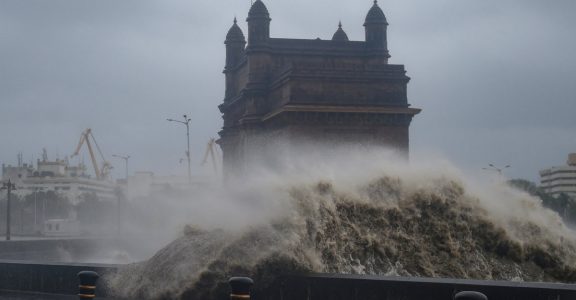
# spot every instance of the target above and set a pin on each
(495, 79)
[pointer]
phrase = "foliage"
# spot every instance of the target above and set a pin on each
(28, 212)
(564, 205)
(92, 211)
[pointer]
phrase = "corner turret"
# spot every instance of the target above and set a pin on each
(235, 43)
(258, 24)
(376, 26)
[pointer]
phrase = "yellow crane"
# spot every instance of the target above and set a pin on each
(85, 138)
(211, 150)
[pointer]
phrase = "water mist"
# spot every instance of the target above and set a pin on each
(354, 211)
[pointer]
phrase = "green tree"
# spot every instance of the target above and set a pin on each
(563, 204)
(96, 215)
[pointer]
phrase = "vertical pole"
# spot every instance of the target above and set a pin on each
(21, 218)
(35, 210)
(9, 188)
(119, 213)
(125, 158)
(187, 123)
(44, 211)
(188, 152)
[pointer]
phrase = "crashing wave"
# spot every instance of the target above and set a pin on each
(387, 225)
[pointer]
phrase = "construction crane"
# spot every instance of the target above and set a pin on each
(101, 172)
(211, 150)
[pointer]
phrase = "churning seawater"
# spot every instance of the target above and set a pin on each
(363, 214)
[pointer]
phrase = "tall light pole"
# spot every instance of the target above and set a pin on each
(492, 167)
(125, 158)
(9, 186)
(35, 209)
(36, 189)
(187, 123)
(119, 200)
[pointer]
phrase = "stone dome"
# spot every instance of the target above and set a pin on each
(235, 33)
(258, 10)
(340, 35)
(375, 15)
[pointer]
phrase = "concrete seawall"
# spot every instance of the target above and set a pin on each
(49, 278)
(59, 278)
(361, 287)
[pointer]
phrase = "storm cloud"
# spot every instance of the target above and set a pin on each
(496, 79)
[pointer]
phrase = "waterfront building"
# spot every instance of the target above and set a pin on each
(59, 176)
(561, 179)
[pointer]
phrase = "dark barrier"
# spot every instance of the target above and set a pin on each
(361, 287)
(53, 278)
(240, 288)
(470, 295)
(62, 279)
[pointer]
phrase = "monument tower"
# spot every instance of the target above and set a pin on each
(282, 92)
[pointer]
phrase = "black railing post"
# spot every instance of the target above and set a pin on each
(87, 287)
(240, 288)
(470, 295)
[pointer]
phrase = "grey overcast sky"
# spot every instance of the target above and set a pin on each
(496, 79)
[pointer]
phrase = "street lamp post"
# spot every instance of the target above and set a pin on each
(492, 167)
(125, 158)
(36, 229)
(119, 200)
(9, 186)
(187, 123)
(35, 209)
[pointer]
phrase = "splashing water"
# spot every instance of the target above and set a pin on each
(365, 216)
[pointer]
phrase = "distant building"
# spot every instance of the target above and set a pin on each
(61, 227)
(560, 180)
(58, 176)
(283, 92)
